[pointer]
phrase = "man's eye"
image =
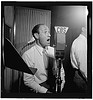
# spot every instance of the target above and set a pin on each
(46, 32)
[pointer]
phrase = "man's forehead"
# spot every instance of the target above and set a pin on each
(43, 27)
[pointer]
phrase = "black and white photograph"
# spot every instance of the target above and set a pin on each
(46, 49)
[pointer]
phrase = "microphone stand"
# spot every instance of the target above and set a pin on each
(58, 78)
(59, 59)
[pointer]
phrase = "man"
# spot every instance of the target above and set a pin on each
(34, 57)
(78, 57)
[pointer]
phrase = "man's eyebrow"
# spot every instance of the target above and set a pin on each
(46, 29)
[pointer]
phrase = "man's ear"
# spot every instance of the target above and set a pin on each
(36, 35)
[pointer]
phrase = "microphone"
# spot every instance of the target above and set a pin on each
(60, 44)
(60, 41)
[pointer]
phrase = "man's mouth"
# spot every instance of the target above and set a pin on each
(48, 39)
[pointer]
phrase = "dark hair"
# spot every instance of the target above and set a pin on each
(36, 29)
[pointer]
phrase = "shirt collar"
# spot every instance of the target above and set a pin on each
(40, 49)
(84, 32)
(81, 35)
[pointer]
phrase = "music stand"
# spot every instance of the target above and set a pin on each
(13, 60)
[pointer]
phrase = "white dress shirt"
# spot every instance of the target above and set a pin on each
(34, 58)
(78, 54)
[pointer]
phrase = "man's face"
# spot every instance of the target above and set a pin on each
(44, 36)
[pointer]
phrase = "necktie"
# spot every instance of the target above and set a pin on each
(45, 59)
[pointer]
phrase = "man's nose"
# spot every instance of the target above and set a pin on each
(49, 35)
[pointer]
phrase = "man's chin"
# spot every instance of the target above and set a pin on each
(48, 44)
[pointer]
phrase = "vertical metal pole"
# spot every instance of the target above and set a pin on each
(19, 73)
(58, 80)
(13, 43)
(2, 60)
